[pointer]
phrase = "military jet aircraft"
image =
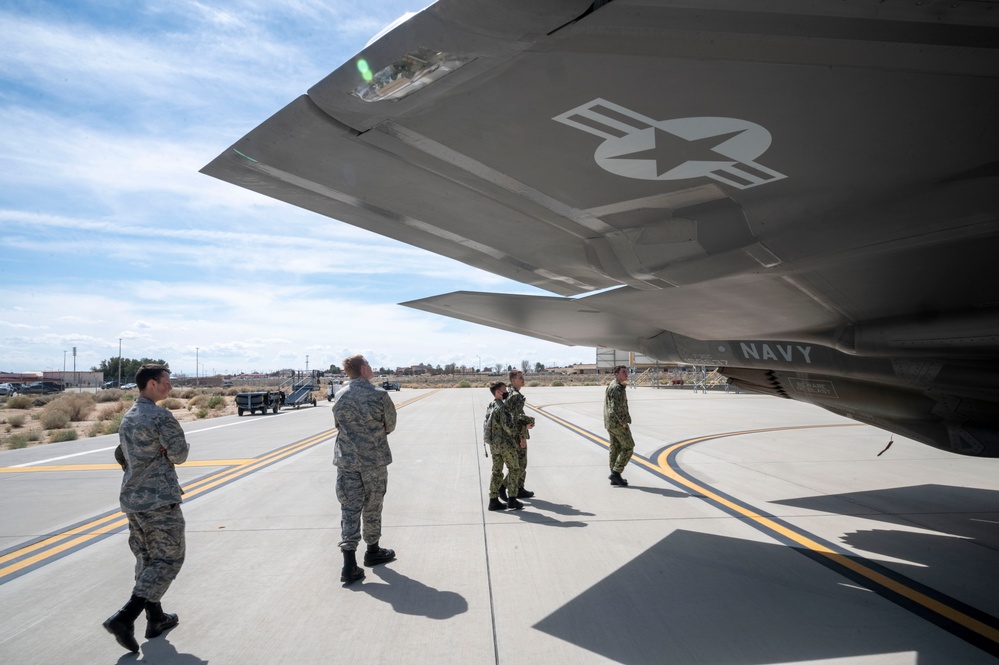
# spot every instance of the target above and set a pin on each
(803, 194)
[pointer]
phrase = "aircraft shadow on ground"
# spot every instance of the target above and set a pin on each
(408, 596)
(701, 598)
(967, 518)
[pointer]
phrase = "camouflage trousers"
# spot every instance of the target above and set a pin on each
(522, 462)
(504, 454)
(361, 494)
(621, 447)
(156, 538)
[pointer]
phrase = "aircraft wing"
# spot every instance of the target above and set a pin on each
(812, 188)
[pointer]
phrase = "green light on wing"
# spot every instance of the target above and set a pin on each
(362, 67)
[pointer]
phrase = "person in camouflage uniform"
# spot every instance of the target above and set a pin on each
(499, 432)
(617, 421)
(522, 425)
(151, 443)
(364, 416)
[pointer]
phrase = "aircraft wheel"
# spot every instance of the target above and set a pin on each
(239, 411)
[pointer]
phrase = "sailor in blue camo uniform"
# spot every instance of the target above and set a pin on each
(522, 424)
(364, 416)
(498, 430)
(151, 443)
(617, 420)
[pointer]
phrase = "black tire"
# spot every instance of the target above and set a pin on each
(239, 411)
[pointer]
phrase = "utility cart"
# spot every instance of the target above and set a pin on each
(259, 401)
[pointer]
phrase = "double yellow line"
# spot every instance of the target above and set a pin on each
(55, 545)
(21, 560)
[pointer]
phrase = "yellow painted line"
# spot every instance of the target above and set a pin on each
(901, 589)
(56, 544)
(661, 466)
(115, 467)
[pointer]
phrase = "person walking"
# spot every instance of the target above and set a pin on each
(151, 444)
(498, 432)
(364, 416)
(617, 420)
(522, 424)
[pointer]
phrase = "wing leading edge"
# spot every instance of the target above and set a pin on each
(805, 195)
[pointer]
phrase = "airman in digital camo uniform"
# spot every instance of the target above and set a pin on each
(151, 443)
(364, 416)
(498, 431)
(617, 421)
(522, 424)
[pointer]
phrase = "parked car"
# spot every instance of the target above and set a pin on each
(391, 385)
(129, 386)
(6, 389)
(41, 388)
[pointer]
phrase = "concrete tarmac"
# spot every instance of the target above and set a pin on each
(754, 530)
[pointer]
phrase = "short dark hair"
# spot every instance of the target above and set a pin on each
(514, 374)
(149, 373)
(494, 386)
(619, 368)
(352, 366)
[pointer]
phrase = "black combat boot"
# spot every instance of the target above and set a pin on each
(524, 493)
(502, 493)
(376, 555)
(513, 504)
(616, 479)
(121, 624)
(351, 572)
(496, 504)
(158, 621)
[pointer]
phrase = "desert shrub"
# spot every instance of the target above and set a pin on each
(62, 435)
(170, 403)
(76, 405)
(109, 395)
(463, 384)
(54, 419)
(533, 384)
(111, 425)
(95, 429)
(20, 402)
(198, 401)
(16, 441)
(109, 411)
(201, 413)
(187, 393)
(216, 402)
(557, 383)
(16, 420)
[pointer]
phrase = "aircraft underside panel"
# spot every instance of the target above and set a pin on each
(817, 181)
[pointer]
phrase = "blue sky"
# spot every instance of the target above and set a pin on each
(107, 230)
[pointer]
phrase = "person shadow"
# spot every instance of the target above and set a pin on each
(160, 652)
(408, 596)
(669, 494)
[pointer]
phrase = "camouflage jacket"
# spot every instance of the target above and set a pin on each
(515, 403)
(364, 416)
(152, 442)
(616, 414)
(498, 428)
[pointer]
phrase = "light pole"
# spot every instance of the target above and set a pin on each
(306, 363)
(119, 362)
(196, 381)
